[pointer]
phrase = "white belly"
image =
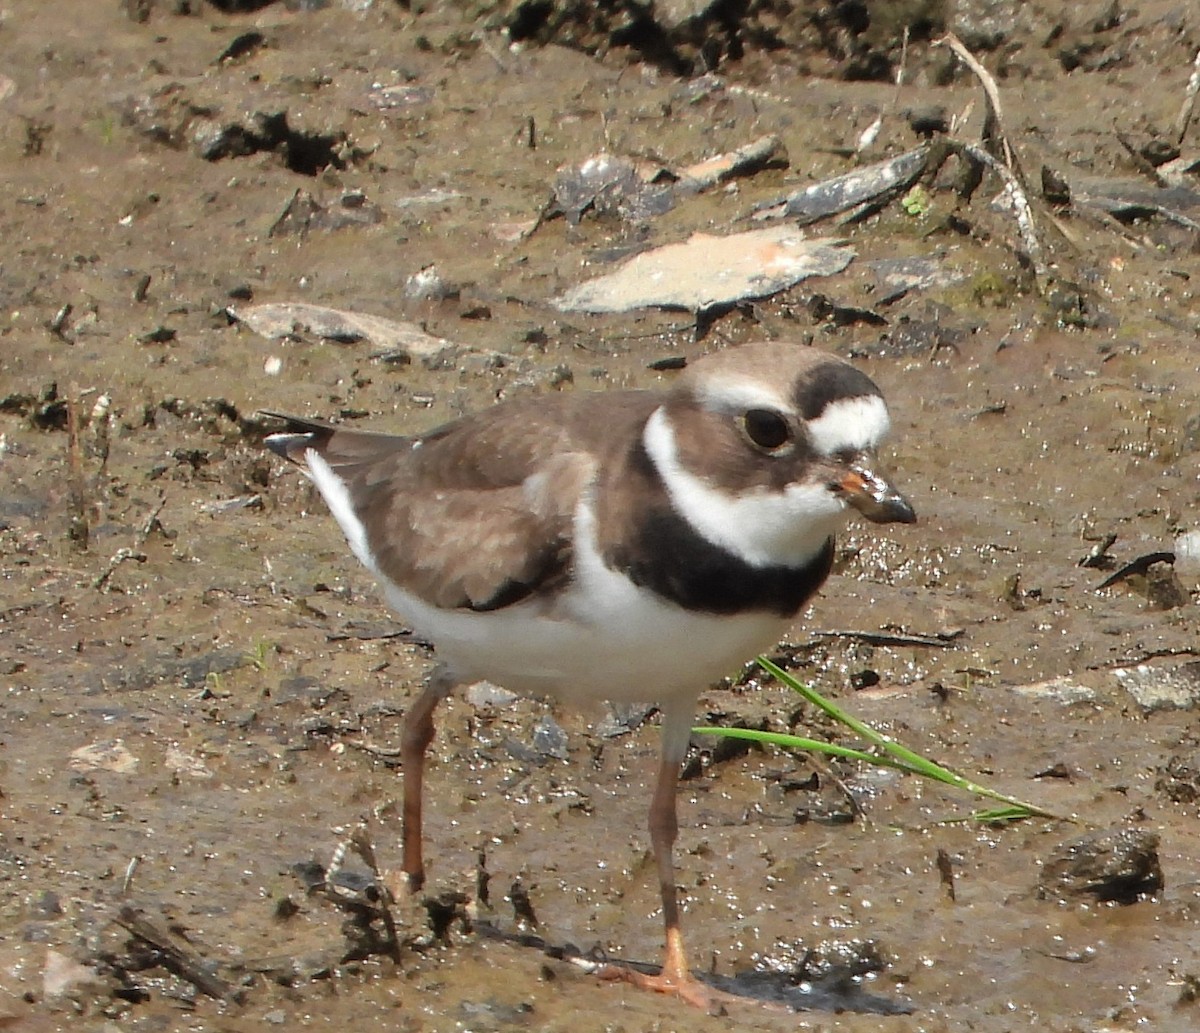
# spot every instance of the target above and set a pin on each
(638, 648)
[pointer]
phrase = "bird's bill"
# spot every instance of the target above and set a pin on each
(873, 495)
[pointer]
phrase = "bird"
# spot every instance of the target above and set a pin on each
(621, 545)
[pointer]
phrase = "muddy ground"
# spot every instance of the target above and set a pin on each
(203, 693)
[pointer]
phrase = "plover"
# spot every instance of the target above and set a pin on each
(620, 545)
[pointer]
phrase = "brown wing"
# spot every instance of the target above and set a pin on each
(477, 514)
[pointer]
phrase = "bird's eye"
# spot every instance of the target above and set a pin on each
(766, 429)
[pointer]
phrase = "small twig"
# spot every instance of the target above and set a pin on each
(993, 127)
(77, 521)
(1145, 655)
(58, 325)
(869, 135)
(98, 446)
(336, 860)
(359, 842)
(1137, 566)
(360, 839)
(183, 963)
(132, 552)
(118, 557)
(995, 409)
(369, 748)
(1141, 164)
(889, 638)
(856, 808)
(743, 160)
(1005, 162)
(151, 522)
(130, 869)
(1014, 193)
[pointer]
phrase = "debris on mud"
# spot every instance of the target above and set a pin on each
(709, 272)
(1153, 576)
(305, 214)
(244, 661)
(104, 756)
(1119, 865)
(1162, 688)
(767, 152)
(868, 188)
(635, 191)
(152, 946)
(173, 117)
(829, 977)
(399, 340)
(608, 185)
(1178, 780)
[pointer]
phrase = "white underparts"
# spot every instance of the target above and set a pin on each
(603, 637)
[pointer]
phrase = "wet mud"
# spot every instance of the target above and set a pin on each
(203, 691)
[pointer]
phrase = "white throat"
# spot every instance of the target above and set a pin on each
(761, 527)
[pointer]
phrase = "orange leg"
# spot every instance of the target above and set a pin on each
(675, 977)
(414, 742)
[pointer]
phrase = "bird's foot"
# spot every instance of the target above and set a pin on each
(683, 985)
(400, 885)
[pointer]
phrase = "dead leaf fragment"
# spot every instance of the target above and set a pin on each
(287, 319)
(183, 763)
(707, 271)
(62, 975)
(104, 756)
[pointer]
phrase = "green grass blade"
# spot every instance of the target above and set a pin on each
(887, 752)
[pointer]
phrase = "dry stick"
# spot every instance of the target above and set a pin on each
(58, 325)
(1146, 168)
(840, 784)
(359, 841)
(1189, 101)
(903, 65)
(888, 638)
(1015, 195)
(98, 447)
(1008, 167)
(77, 522)
(133, 552)
(994, 128)
(177, 959)
(369, 748)
(720, 167)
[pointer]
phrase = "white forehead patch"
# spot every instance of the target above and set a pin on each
(850, 425)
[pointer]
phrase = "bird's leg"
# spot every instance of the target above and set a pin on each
(414, 742)
(664, 827)
(675, 978)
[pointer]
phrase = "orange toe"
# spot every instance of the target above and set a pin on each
(684, 985)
